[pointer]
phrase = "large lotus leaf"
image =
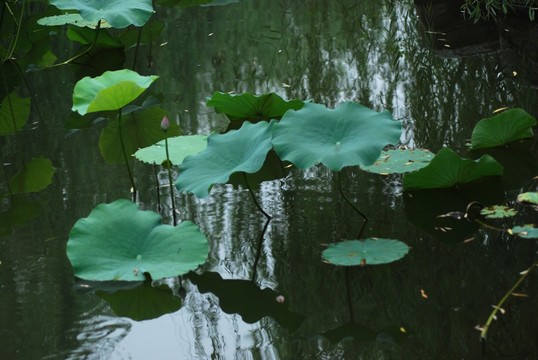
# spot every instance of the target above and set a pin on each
(139, 130)
(370, 251)
(530, 198)
(238, 150)
(36, 175)
(447, 169)
(245, 298)
(501, 129)
(144, 302)
(399, 161)
(117, 241)
(527, 231)
(349, 135)
(252, 108)
(14, 112)
(118, 13)
(73, 19)
(110, 91)
(179, 147)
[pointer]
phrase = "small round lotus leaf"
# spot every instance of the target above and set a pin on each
(179, 148)
(530, 197)
(118, 13)
(110, 91)
(498, 212)
(370, 251)
(528, 231)
(117, 241)
(349, 135)
(399, 161)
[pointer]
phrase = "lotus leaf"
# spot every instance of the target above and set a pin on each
(238, 150)
(86, 36)
(399, 161)
(117, 241)
(497, 212)
(118, 13)
(447, 169)
(252, 108)
(527, 231)
(110, 91)
(21, 211)
(370, 251)
(528, 198)
(36, 175)
(73, 19)
(14, 112)
(139, 129)
(501, 129)
(179, 147)
(349, 135)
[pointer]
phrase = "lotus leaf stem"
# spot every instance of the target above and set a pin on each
(157, 187)
(13, 44)
(170, 181)
(125, 157)
(346, 198)
(497, 307)
(139, 37)
(254, 198)
(90, 48)
(259, 251)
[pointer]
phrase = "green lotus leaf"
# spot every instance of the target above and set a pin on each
(447, 170)
(140, 129)
(498, 212)
(117, 241)
(528, 231)
(14, 113)
(179, 147)
(252, 108)
(110, 91)
(144, 302)
(370, 251)
(86, 36)
(72, 19)
(36, 175)
(118, 13)
(238, 150)
(399, 161)
(530, 197)
(501, 129)
(349, 135)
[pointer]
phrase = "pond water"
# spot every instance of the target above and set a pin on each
(437, 76)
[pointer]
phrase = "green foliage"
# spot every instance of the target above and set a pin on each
(118, 13)
(528, 231)
(117, 241)
(447, 170)
(179, 147)
(477, 10)
(501, 129)
(498, 212)
(399, 161)
(110, 91)
(530, 198)
(72, 19)
(21, 210)
(14, 113)
(349, 135)
(370, 251)
(36, 175)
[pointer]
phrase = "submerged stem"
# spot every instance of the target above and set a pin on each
(259, 251)
(157, 187)
(169, 168)
(346, 198)
(125, 157)
(254, 198)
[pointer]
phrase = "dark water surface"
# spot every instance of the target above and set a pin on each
(377, 53)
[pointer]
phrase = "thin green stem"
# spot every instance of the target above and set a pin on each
(259, 250)
(90, 48)
(346, 198)
(169, 168)
(497, 307)
(254, 198)
(157, 187)
(135, 57)
(13, 45)
(125, 157)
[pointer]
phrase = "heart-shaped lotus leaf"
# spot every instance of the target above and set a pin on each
(72, 19)
(501, 129)
(245, 298)
(530, 198)
(144, 302)
(118, 13)
(399, 161)
(498, 212)
(36, 175)
(237, 150)
(528, 231)
(252, 108)
(139, 130)
(179, 147)
(117, 241)
(14, 112)
(447, 169)
(371, 251)
(110, 91)
(349, 135)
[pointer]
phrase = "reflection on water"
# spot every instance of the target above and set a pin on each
(371, 52)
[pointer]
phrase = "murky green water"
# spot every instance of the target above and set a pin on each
(379, 54)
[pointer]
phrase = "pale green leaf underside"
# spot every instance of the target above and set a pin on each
(73, 19)
(179, 148)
